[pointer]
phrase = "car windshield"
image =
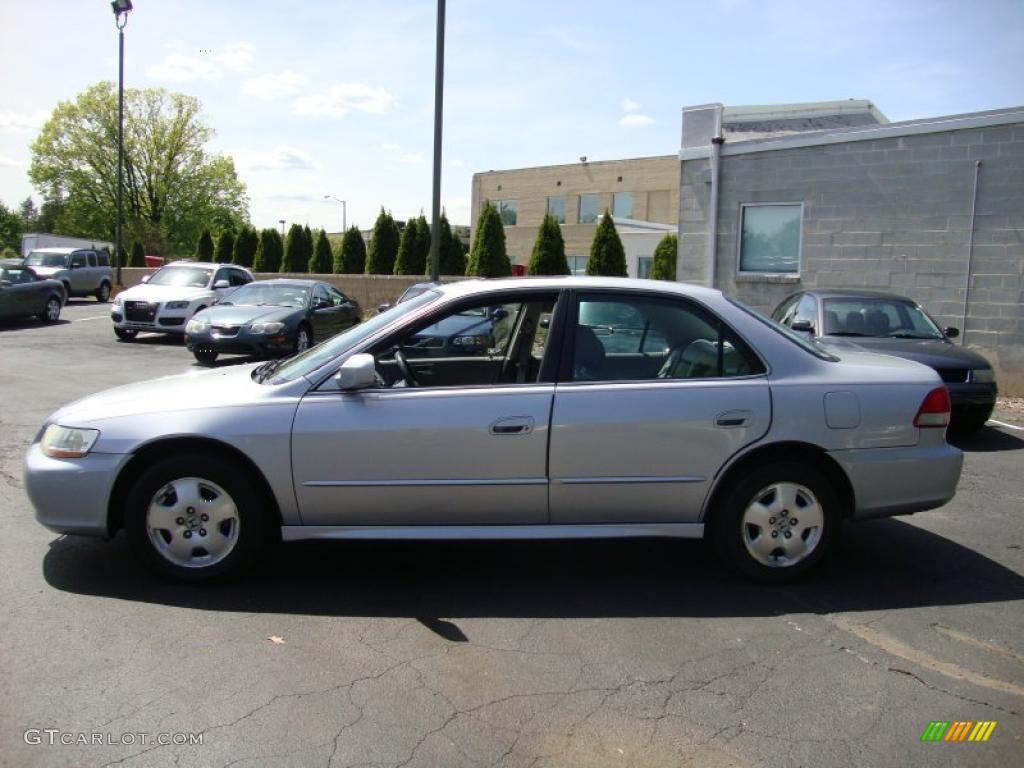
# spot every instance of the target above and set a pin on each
(17, 275)
(806, 344)
(258, 294)
(415, 290)
(183, 277)
(879, 318)
(38, 259)
(321, 354)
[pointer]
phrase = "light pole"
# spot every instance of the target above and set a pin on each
(344, 212)
(281, 222)
(121, 9)
(435, 218)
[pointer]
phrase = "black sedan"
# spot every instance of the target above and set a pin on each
(25, 294)
(896, 325)
(270, 318)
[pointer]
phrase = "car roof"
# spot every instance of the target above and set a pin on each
(59, 251)
(208, 264)
(298, 282)
(476, 287)
(855, 293)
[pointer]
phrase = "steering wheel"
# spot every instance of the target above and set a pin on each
(403, 366)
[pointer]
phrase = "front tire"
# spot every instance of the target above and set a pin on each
(196, 518)
(125, 334)
(777, 523)
(303, 340)
(51, 311)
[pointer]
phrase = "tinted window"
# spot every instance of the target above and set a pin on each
(39, 259)
(92, 259)
(588, 208)
(238, 277)
(320, 296)
(78, 259)
(882, 317)
(337, 296)
(103, 259)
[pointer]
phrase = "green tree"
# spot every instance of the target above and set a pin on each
(10, 229)
(269, 252)
(138, 255)
(173, 187)
(29, 215)
(245, 247)
(307, 245)
(453, 255)
(423, 241)
(548, 257)
(488, 258)
(322, 260)
(607, 256)
(414, 248)
(204, 247)
(225, 247)
(294, 251)
(351, 257)
(663, 266)
(383, 246)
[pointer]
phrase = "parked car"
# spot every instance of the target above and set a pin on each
(25, 294)
(411, 292)
(270, 318)
(737, 430)
(166, 300)
(895, 325)
(83, 271)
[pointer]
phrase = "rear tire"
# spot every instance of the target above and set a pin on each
(196, 518)
(777, 523)
(103, 293)
(125, 334)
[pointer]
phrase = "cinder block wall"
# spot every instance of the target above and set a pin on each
(887, 214)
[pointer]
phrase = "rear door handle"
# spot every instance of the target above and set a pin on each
(734, 419)
(512, 425)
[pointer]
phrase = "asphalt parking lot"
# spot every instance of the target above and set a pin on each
(513, 654)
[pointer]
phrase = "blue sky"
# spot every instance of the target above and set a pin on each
(315, 97)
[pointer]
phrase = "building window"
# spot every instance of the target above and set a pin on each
(508, 210)
(556, 208)
(578, 264)
(622, 205)
(771, 238)
(643, 266)
(588, 208)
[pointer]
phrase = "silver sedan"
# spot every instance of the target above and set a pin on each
(500, 409)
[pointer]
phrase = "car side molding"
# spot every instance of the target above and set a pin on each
(491, 532)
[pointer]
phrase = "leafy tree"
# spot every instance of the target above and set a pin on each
(351, 257)
(607, 256)
(548, 257)
(488, 258)
(138, 255)
(383, 246)
(269, 252)
(414, 248)
(423, 240)
(173, 187)
(453, 255)
(204, 248)
(225, 247)
(245, 247)
(307, 245)
(10, 229)
(50, 215)
(295, 259)
(663, 266)
(29, 214)
(322, 260)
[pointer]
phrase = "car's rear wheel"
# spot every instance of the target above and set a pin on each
(196, 518)
(125, 334)
(205, 356)
(51, 311)
(777, 523)
(103, 293)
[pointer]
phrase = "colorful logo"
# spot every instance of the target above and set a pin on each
(958, 730)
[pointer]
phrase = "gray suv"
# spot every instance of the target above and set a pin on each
(83, 271)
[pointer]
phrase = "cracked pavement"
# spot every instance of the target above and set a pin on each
(506, 655)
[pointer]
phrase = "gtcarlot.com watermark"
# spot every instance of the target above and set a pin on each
(55, 737)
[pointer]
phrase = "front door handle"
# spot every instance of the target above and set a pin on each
(734, 419)
(513, 425)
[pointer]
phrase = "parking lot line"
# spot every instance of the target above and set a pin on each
(83, 319)
(1004, 424)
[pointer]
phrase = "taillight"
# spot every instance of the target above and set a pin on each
(934, 411)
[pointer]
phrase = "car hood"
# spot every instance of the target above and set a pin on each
(162, 293)
(934, 353)
(243, 314)
(47, 271)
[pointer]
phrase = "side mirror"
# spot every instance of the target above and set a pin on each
(358, 372)
(221, 284)
(497, 313)
(951, 333)
(802, 326)
(320, 303)
(144, 279)
(383, 307)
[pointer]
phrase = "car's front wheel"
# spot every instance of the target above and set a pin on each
(51, 312)
(777, 523)
(303, 339)
(196, 518)
(125, 334)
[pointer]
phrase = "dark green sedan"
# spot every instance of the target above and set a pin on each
(271, 318)
(25, 294)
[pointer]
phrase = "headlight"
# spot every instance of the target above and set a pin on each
(176, 305)
(67, 442)
(982, 375)
(117, 301)
(267, 327)
(196, 326)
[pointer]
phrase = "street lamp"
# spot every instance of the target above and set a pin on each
(281, 222)
(344, 212)
(435, 229)
(121, 9)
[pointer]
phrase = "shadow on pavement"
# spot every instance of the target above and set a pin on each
(882, 564)
(17, 324)
(987, 440)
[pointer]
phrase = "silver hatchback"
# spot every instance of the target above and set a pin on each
(582, 407)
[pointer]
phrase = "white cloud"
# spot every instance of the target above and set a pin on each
(342, 99)
(10, 162)
(180, 68)
(20, 121)
(280, 158)
(391, 147)
(636, 119)
(274, 85)
(411, 158)
(237, 57)
(628, 105)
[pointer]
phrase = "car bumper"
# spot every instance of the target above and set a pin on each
(900, 481)
(241, 344)
(72, 495)
(973, 402)
(160, 324)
